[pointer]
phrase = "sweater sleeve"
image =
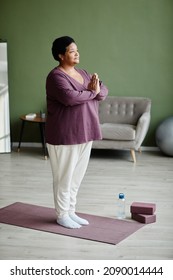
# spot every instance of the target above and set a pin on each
(103, 89)
(61, 89)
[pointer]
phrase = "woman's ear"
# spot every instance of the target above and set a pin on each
(60, 56)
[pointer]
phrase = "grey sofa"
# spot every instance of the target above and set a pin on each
(124, 123)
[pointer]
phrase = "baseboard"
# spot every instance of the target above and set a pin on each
(39, 145)
(27, 145)
(147, 148)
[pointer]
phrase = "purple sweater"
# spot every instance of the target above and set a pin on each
(72, 109)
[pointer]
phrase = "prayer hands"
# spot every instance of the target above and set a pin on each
(94, 83)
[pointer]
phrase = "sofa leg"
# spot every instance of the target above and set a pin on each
(133, 155)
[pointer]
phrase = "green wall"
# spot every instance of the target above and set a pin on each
(129, 43)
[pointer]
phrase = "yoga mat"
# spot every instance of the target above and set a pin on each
(101, 229)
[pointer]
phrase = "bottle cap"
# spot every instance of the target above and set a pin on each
(121, 196)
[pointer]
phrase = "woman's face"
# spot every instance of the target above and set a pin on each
(71, 56)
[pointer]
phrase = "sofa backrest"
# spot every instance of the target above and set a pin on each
(117, 109)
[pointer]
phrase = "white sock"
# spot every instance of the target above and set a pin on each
(78, 220)
(68, 222)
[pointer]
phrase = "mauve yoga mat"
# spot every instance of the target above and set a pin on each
(100, 229)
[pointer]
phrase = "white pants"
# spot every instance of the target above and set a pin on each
(68, 164)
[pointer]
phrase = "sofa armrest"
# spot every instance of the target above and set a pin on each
(142, 129)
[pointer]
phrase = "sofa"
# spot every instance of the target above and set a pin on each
(124, 123)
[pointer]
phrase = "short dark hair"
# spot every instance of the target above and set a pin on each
(59, 46)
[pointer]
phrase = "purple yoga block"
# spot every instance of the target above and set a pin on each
(143, 208)
(145, 219)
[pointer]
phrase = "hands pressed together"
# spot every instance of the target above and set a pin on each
(94, 83)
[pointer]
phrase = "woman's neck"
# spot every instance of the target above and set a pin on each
(67, 68)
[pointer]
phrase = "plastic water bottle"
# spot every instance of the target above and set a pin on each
(121, 206)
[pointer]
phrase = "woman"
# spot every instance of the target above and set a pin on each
(72, 124)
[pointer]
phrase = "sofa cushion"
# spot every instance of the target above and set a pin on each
(125, 110)
(112, 131)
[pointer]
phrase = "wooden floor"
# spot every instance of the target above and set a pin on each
(26, 177)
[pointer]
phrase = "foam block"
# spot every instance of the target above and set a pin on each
(143, 208)
(145, 219)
